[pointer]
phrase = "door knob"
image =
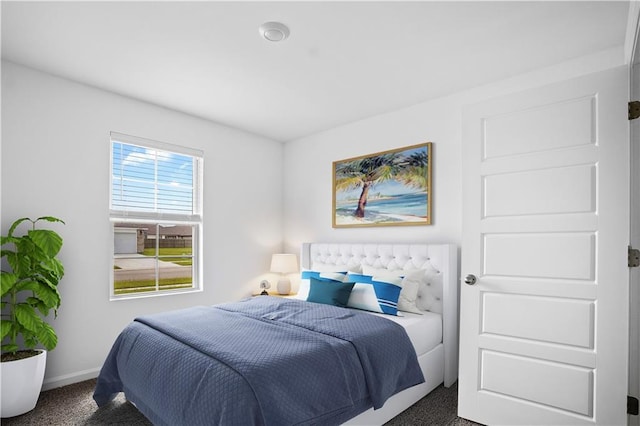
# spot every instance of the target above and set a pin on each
(470, 279)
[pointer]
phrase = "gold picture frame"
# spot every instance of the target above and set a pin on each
(388, 188)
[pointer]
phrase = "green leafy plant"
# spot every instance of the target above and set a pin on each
(30, 288)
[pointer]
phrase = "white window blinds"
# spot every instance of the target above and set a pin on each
(151, 179)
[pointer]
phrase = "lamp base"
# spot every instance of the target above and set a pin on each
(284, 285)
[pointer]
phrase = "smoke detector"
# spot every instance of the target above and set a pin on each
(274, 31)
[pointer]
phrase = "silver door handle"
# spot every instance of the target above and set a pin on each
(470, 279)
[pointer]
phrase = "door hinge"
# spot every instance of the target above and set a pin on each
(633, 257)
(634, 110)
(632, 405)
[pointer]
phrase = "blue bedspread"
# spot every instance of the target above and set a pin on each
(260, 361)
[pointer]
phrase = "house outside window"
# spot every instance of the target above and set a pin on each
(156, 217)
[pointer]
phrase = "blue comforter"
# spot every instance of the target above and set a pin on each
(260, 361)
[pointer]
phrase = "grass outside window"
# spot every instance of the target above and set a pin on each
(178, 256)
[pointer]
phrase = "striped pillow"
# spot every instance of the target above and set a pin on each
(412, 280)
(376, 294)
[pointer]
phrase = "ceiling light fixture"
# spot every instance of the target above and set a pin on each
(274, 31)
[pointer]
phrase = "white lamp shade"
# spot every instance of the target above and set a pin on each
(284, 263)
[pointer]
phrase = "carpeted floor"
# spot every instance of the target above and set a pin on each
(74, 405)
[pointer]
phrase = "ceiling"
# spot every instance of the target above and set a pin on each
(343, 61)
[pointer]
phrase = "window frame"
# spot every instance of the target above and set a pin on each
(194, 219)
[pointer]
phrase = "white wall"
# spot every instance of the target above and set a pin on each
(55, 146)
(308, 161)
(55, 161)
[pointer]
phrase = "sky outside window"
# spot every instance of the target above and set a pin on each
(151, 180)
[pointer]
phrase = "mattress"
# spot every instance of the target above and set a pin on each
(425, 331)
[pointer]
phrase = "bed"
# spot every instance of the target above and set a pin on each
(437, 296)
(210, 365)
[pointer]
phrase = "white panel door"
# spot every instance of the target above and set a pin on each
(543, 331)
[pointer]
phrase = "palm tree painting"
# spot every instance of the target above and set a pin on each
(387, 188)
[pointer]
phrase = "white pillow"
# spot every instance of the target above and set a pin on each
(410, 285)
(409, 294)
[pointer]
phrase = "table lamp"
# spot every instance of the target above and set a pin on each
(284, 264)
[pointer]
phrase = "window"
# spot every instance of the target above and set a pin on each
(156, 216)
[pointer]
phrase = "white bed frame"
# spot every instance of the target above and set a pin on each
(440, 365)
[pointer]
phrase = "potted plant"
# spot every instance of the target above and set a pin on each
(29, 293)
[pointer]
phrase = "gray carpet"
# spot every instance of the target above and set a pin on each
(74, 405)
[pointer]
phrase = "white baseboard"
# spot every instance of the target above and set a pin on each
(68, 379)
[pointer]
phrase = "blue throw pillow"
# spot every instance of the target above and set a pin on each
(306, 275)
(329, 292)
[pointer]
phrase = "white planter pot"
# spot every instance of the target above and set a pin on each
(21, 383)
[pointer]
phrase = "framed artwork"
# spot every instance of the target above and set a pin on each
(389, 188)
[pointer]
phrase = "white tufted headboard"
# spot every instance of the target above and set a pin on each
(439, 294)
